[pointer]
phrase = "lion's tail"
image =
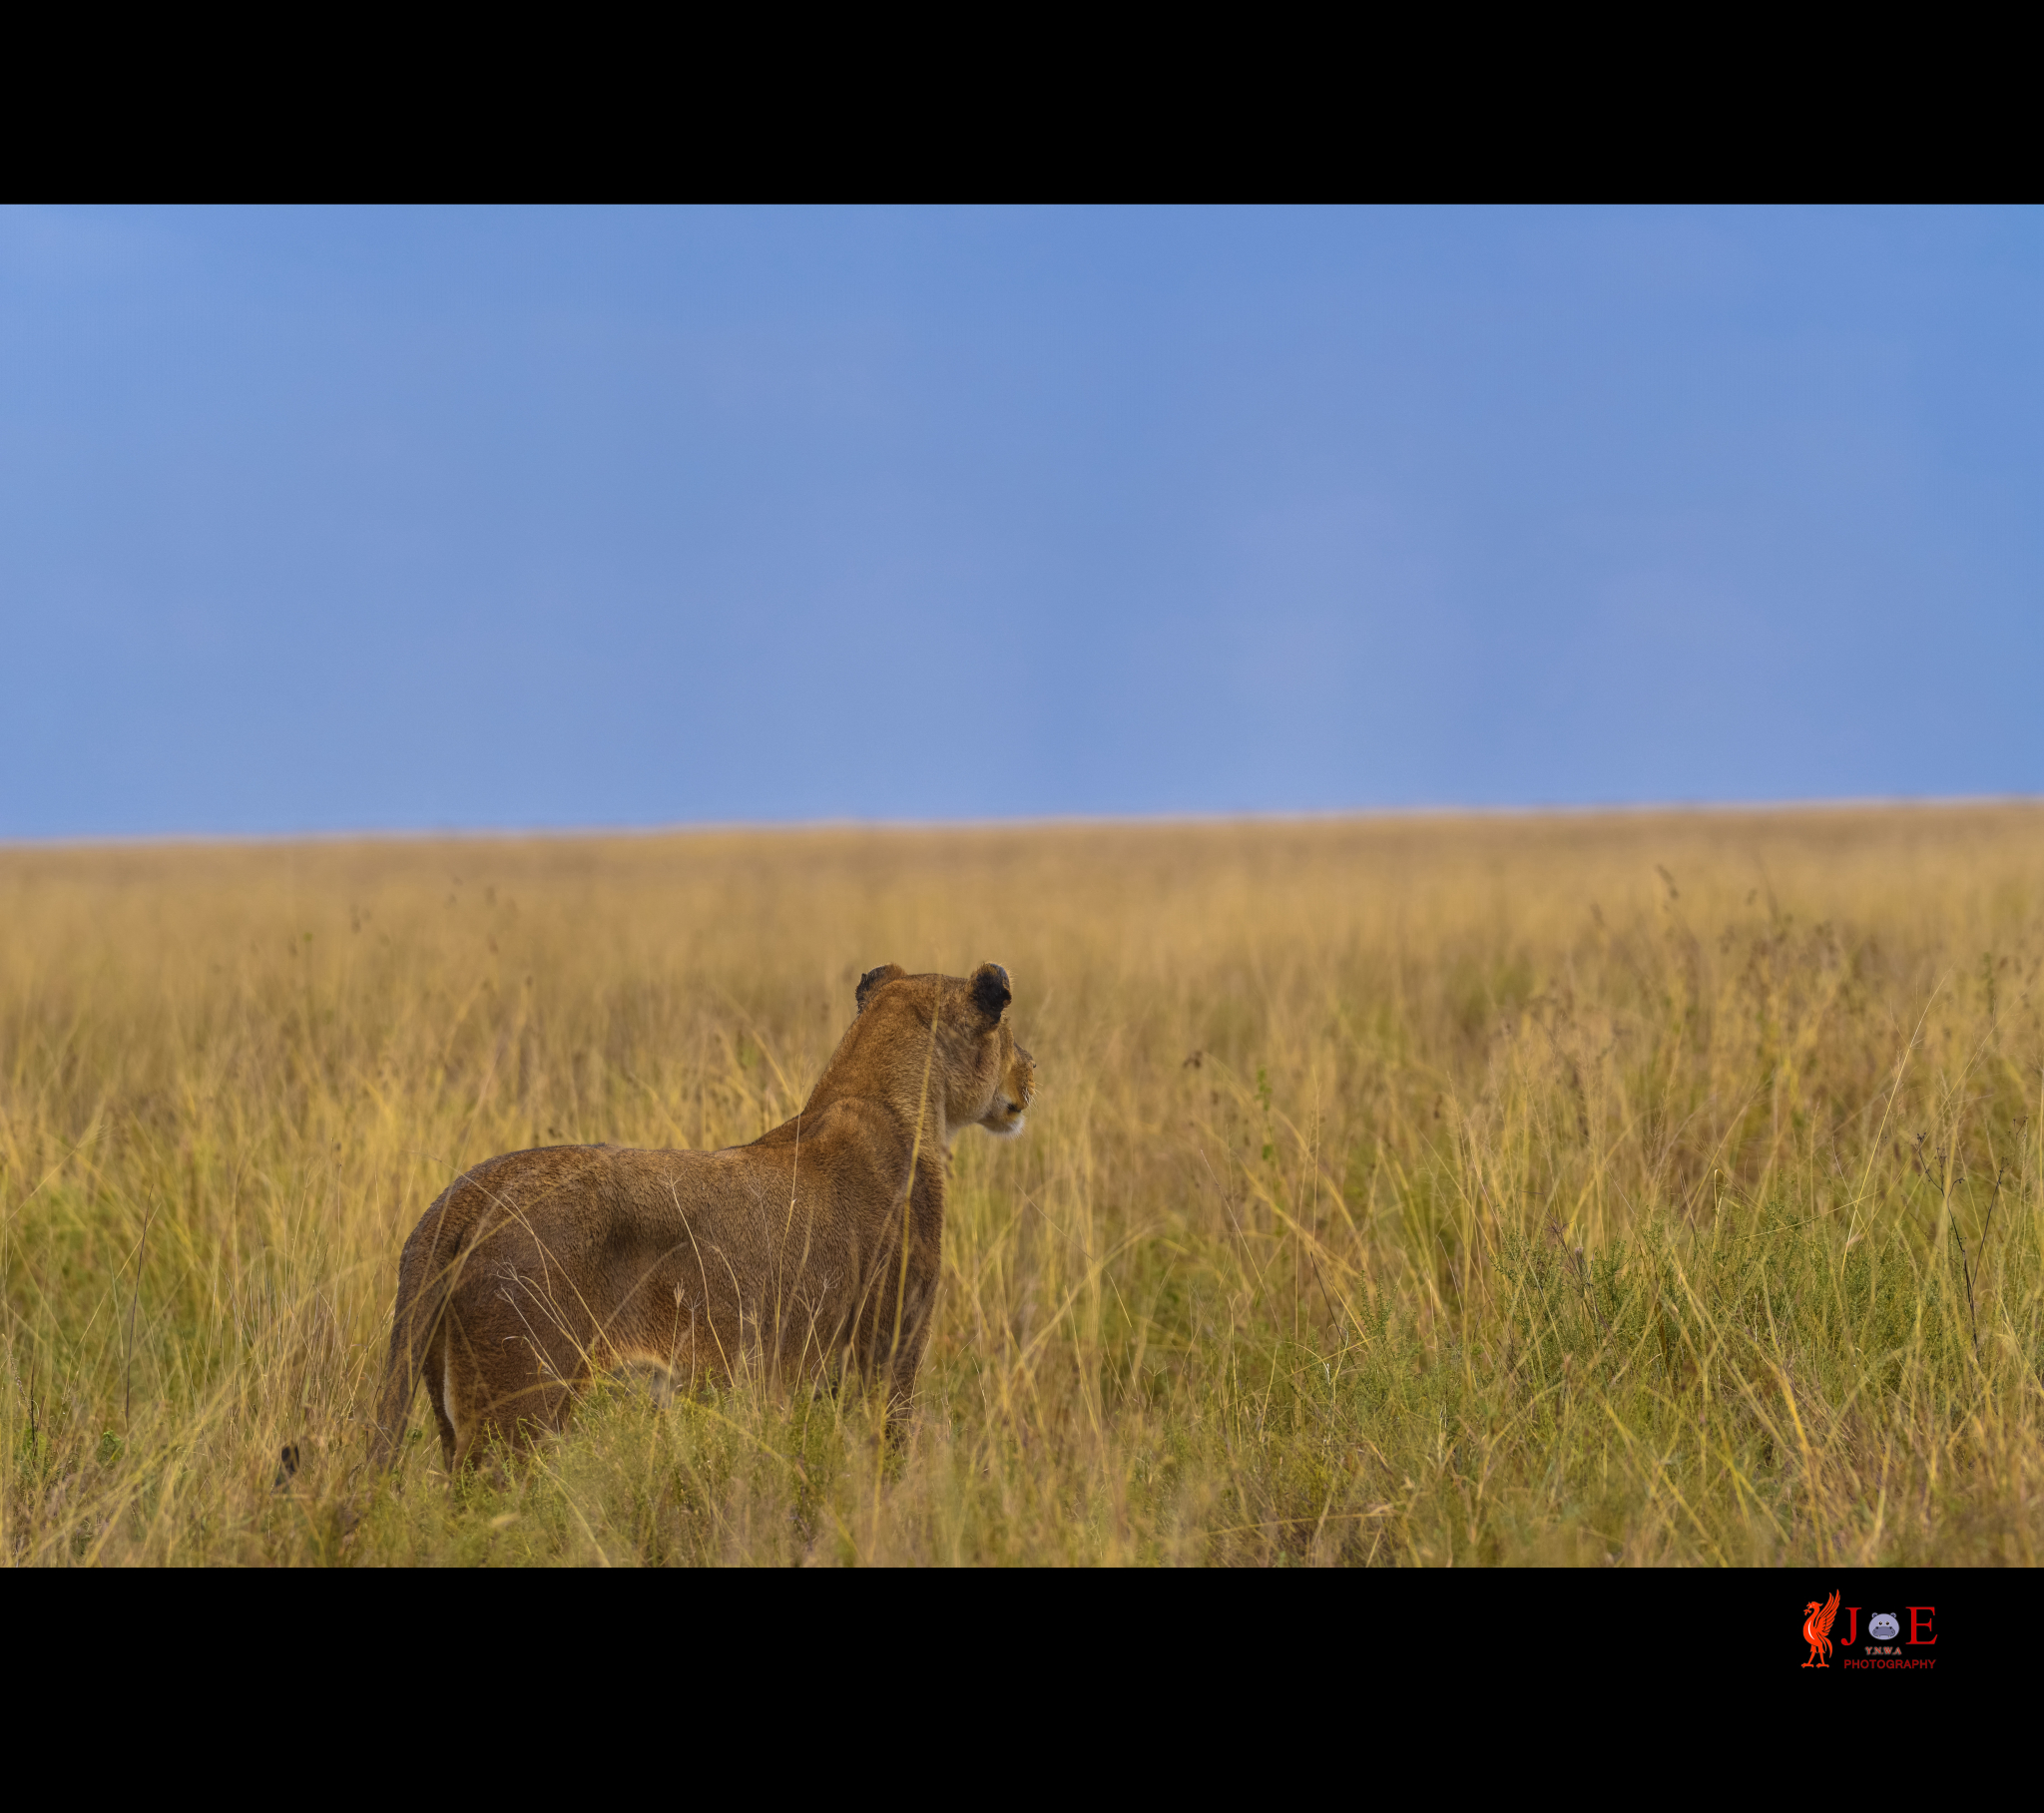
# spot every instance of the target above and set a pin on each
(425, 1281)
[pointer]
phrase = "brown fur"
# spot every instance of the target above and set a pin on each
(785, 1259)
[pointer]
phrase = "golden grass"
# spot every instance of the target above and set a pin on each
(1644, 1189)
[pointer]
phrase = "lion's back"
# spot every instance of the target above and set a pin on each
(560, 1186)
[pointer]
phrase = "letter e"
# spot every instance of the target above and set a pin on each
(1924, 1623)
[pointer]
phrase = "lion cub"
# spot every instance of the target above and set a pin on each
(816, 1245)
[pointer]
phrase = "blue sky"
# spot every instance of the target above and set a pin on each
(333, 519)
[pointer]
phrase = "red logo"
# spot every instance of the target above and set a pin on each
(1816, 1630)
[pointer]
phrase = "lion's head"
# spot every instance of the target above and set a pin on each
(987, 1079)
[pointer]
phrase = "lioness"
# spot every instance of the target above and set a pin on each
(815, 1245)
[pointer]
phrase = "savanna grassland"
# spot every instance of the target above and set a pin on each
(1635, 1189)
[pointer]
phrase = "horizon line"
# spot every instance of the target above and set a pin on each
(1031, 821)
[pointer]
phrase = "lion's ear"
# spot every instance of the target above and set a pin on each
(990, 991)
(872, 979)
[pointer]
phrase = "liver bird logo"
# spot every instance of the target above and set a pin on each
(1816, 1630)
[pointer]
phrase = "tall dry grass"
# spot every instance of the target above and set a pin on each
(1644, 1189)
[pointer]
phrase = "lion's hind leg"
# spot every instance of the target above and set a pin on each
(440, 1394)
(510, 1405)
